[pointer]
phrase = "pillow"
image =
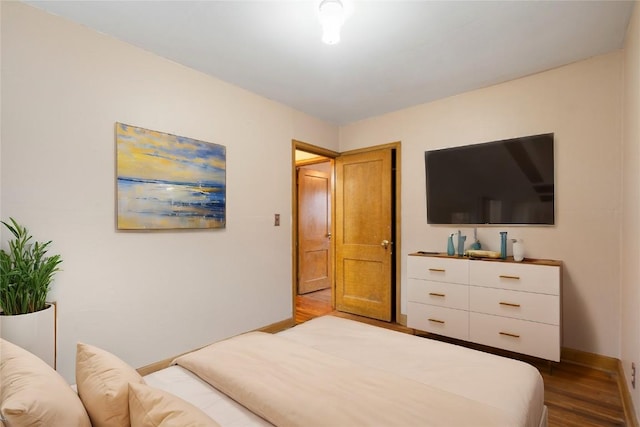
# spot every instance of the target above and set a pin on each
(102, 380)
(152, 407)
(33, 394)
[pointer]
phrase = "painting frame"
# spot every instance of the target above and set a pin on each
(168, 182)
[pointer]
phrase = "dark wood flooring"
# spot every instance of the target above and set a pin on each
(575, 395)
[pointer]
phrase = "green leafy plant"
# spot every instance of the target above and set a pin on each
(26, 272)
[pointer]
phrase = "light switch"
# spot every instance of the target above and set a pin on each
(276, 220)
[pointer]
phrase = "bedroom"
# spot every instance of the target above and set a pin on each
(64, 86)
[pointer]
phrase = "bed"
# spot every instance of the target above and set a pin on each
(328, 371)
(478, 386)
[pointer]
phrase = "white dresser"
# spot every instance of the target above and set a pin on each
(510, 305)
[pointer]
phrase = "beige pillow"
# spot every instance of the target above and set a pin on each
(102, 380)
(33, 394)
(152, 407)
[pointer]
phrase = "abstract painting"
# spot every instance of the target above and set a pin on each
(166, 181)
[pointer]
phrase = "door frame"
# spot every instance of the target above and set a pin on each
(400, 317)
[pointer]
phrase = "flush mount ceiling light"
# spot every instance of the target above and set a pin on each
(332, 15)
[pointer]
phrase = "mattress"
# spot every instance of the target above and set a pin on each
(508, 385)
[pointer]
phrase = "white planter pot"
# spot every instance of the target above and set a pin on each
(35, 332)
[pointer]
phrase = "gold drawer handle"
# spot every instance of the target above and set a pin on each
(437, 270)
(433, 294)
(509, 277)
(510, 304)
(510, 335)
(437, 321)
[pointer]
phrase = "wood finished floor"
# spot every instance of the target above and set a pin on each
(575, 395)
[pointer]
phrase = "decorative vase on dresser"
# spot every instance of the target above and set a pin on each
(510, 305)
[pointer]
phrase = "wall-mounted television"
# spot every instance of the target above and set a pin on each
(501, 182)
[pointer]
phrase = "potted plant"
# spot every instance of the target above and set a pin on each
(26, 274)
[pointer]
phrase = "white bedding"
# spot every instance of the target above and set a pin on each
(217, 405)
(511, 386)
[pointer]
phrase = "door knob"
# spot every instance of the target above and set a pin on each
(329, 236)
(384, 244)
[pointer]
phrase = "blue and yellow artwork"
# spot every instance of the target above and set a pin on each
(168, 182)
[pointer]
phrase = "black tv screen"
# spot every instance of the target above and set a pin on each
(501, 182)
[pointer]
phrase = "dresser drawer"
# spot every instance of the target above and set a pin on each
(442, 294)
(519, 305)
(438, 320)
(542, 279)
(438, 269)
(521, 336)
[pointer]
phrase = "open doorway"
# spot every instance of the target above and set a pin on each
(313, 231)
(314, 260)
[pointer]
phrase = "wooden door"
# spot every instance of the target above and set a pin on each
(364, 215)
(314, 230)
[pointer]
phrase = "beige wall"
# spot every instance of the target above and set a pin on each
(581, 104)
(146, 296)
(630, 243)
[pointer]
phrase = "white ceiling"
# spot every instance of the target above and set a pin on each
(393, 54)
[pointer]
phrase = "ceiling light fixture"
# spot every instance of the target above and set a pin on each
(332, 15)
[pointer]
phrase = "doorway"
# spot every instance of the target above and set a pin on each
(353, 276)
(313, 213)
